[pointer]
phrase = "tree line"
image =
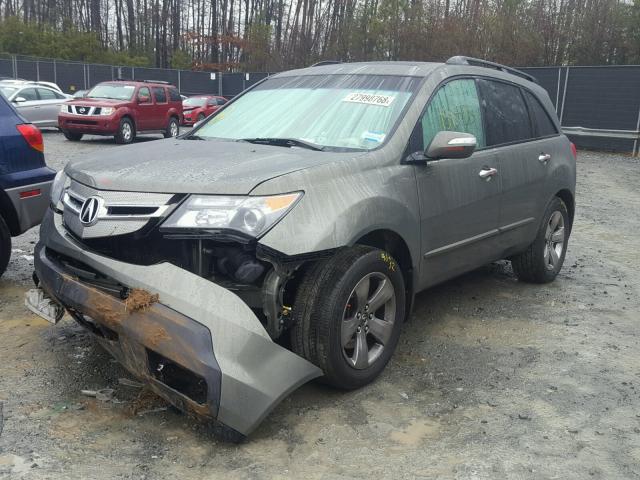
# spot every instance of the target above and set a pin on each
(272, 35)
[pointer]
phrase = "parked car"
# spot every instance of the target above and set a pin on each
(286, 236)
(197, 108)
(36, 102)
(25, 180)
(123, 109)
(21, 82)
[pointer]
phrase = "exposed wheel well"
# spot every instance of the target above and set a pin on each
(8, 213)
(393, 243)
(130, 118)
(567, 198)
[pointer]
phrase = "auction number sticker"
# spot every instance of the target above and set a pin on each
(370, 99)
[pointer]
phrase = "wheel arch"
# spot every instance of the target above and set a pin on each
(9, 214)
(392, 242)
(567, 197)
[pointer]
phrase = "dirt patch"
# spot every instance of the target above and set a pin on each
(158, 336)
(139, 299)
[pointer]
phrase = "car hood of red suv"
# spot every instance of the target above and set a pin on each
(98, 102)
(194, 166)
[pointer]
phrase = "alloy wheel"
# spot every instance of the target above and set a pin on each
(554, 241)
(368, 320)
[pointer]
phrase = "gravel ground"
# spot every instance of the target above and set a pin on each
(492, 378)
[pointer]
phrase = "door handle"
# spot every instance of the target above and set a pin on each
(544, 158)
(487, 173)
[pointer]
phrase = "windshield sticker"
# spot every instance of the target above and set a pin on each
(377, 137)
(369, 99)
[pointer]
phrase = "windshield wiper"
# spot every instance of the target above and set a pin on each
(283, 142)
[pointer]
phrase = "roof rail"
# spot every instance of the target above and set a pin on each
(326, 62)
(155, 81)
(478, 62)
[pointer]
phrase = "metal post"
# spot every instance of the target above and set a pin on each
(88, 76)
(133, 73)
(14, 65)
(179, 86)
(219, 75)
(635, 142)
(558, 88)
(37, 70)
(564, 95)
(55, 72)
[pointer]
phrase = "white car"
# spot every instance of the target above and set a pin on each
(37, 102)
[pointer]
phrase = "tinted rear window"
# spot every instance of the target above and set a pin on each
(174, 95)
(505, 113)
(544, 126)
(158, 92)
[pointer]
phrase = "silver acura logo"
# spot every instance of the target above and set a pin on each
(89, 210)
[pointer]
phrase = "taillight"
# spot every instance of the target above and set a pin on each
(32, 135)
(574, 151)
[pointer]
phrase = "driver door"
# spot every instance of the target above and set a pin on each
(145, 109)
(459, 208)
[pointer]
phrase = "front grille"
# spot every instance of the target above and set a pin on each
(85, 110)
(117, 213)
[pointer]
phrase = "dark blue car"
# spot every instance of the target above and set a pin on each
(25, 180)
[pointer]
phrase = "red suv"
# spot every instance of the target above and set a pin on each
(199, 107)
(123, 109)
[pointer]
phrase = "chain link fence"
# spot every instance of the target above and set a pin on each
(598, 107)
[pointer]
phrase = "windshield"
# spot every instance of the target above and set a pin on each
(7, 91)
(114, 91)
(331, 111)
(194, 102)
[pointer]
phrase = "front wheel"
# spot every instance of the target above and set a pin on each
(126, 132)
(348, 314)
(542, 261)
(74, 137)
(173, 129)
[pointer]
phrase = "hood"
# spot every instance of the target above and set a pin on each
(194, 166)
(97, 102)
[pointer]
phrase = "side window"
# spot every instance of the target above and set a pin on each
(161, 96)
(505, 114)
(144, 95)
(455, 107)
(28, 94)
(46, 94)
(174, 95)
(544, 125)
(221, 101)
(212, 102)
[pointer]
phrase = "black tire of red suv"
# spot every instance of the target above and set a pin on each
(173, 128)
(5, 245)
(126, 132)
(74, 137)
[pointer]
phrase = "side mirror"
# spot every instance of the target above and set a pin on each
(19, 100)
(451, 145)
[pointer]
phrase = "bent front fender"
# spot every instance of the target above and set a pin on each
(256, 373)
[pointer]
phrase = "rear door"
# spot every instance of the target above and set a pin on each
(459, 209)
(511, 130)
(161, 106)
(50, 102)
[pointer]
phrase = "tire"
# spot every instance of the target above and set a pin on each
(201, 117)
(5, 245)
(126, 132)
(538, 263)
(74, 137)
(327, 294)
(173, 128)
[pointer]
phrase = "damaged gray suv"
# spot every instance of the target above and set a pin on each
(285, 237)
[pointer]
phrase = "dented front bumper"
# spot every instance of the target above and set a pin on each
(204, 333)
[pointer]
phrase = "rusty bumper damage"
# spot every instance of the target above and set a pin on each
(199, 346)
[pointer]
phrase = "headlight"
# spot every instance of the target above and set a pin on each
(106, 110)
(250, 215)
(64, 108)
(57, 188)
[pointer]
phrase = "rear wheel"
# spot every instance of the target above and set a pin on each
(5, 245)
(74, 137)
(173, 129)
(126, 132)
(542, 261)
(347, 315)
